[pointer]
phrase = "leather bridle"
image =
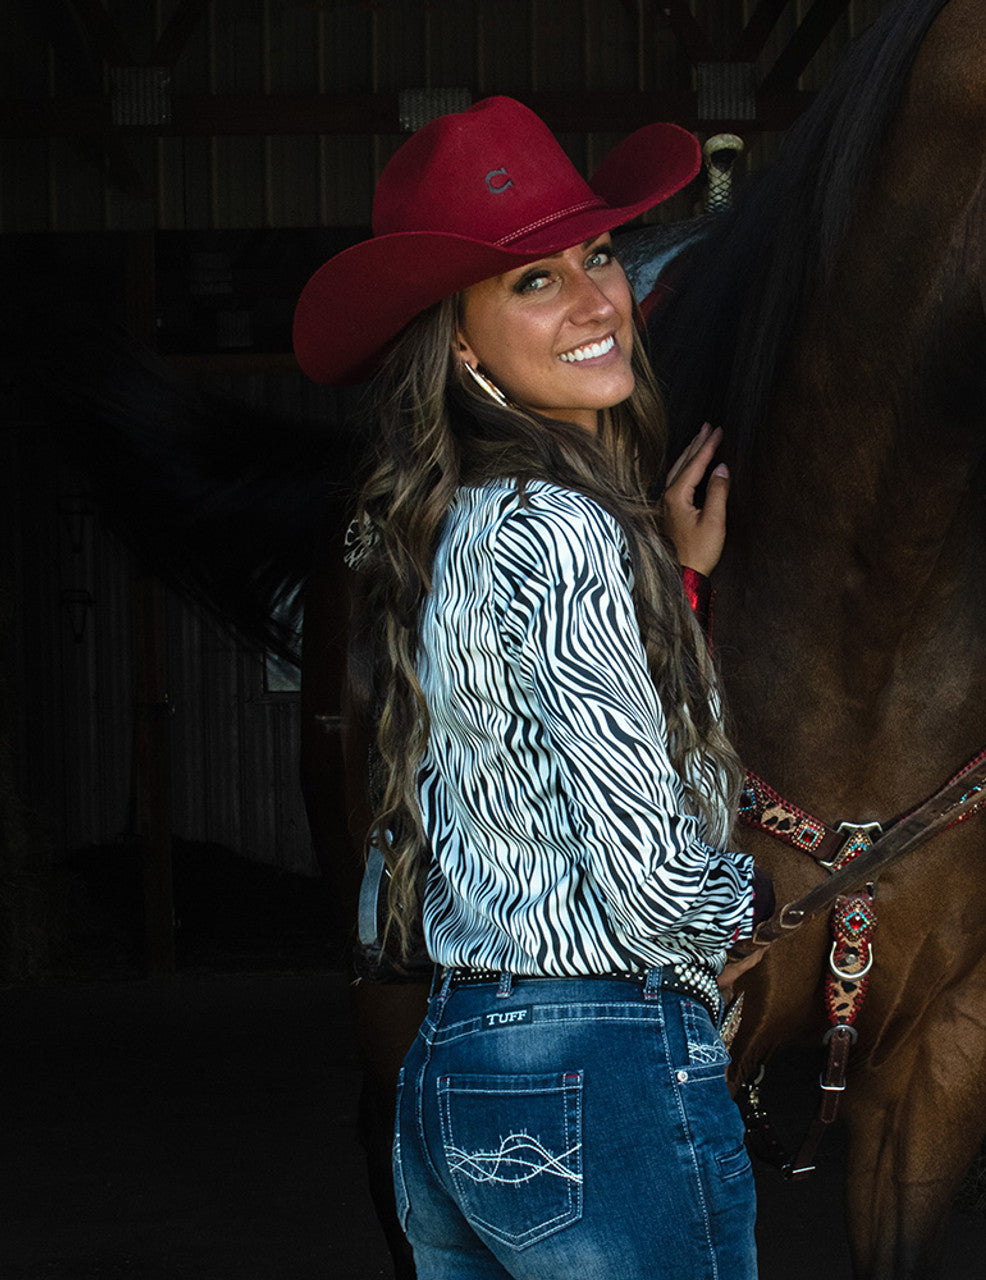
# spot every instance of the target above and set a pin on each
(855, 854)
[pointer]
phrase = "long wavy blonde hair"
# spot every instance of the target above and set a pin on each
(436, 434)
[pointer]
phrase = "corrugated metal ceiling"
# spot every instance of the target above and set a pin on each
(213, 114)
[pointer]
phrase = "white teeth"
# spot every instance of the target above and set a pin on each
(589, 352)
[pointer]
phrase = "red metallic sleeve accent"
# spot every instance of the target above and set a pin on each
(699, 591)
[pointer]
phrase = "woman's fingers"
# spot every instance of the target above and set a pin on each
(698, 533)
(739, 965)
(716, 492)
(687, 472)
(687, 454)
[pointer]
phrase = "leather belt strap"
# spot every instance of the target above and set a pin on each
(763, 1136)
(684, 979)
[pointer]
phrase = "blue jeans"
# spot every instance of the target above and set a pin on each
(571, 1129)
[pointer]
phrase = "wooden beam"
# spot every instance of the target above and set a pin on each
(361, 113)
(66, 116)
(757, 31)
(152, 772)
(139, 264)
(286, 113)
(260, 115)
(803, 45)
(104, 36)
(692, 37)
(631, 8)
(79, 67)
(609, 111)
(211, 115)
(153, 708)
(177, 33)
(118, 166)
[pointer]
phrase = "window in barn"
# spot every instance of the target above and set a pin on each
(281, 676)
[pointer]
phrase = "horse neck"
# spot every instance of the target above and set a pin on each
(876, 423)
(863, 470)
(851, 614)
(853, 570)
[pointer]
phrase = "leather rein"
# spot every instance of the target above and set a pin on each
(855, 854)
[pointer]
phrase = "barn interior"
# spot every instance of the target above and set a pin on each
(178, 860)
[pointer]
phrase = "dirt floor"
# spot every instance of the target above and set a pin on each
(203, 1127)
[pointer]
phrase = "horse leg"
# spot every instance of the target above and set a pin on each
(916, 1121)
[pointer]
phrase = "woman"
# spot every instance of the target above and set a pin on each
(556, 789)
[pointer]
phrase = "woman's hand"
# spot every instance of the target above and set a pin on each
(738, 963)
(698, 533)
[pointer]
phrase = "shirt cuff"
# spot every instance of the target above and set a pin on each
(698, 589)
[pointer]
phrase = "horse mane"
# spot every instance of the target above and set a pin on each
(720, 332)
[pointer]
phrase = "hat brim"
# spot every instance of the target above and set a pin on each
(339, 338)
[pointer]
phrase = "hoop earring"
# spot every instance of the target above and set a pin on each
(484, 383)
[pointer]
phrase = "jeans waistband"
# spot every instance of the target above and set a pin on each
(683, 978)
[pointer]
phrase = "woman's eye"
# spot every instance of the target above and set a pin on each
(533, 282)
(601, 257)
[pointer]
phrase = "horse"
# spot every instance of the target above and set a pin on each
(833, 323)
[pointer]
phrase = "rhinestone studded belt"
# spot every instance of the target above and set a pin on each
(684, 978)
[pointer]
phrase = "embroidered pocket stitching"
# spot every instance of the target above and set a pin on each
(519, 1157)
(520, 1161)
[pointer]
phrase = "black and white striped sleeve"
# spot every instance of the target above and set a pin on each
(569, 628)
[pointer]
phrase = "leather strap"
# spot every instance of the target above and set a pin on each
(953, 803)
(833, 1083)
(853, 857)
(766, 809)
(762, 807)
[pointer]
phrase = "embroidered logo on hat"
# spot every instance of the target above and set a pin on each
(497, 187)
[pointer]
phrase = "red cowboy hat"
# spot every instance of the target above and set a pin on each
(469, 196)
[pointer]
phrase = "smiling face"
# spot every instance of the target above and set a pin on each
(556, 336)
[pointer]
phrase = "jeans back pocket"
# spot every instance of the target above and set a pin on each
(513, 1149)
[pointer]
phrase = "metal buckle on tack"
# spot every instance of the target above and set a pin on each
(844, 975)
(866, 833)
(860, 836)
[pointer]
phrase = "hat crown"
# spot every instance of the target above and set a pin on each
(470, 196)
(493, 173)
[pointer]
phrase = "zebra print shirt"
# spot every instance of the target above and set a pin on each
(561, 839)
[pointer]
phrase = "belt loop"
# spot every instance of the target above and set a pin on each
(506, 984)
(653, 983)
(443, 982)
